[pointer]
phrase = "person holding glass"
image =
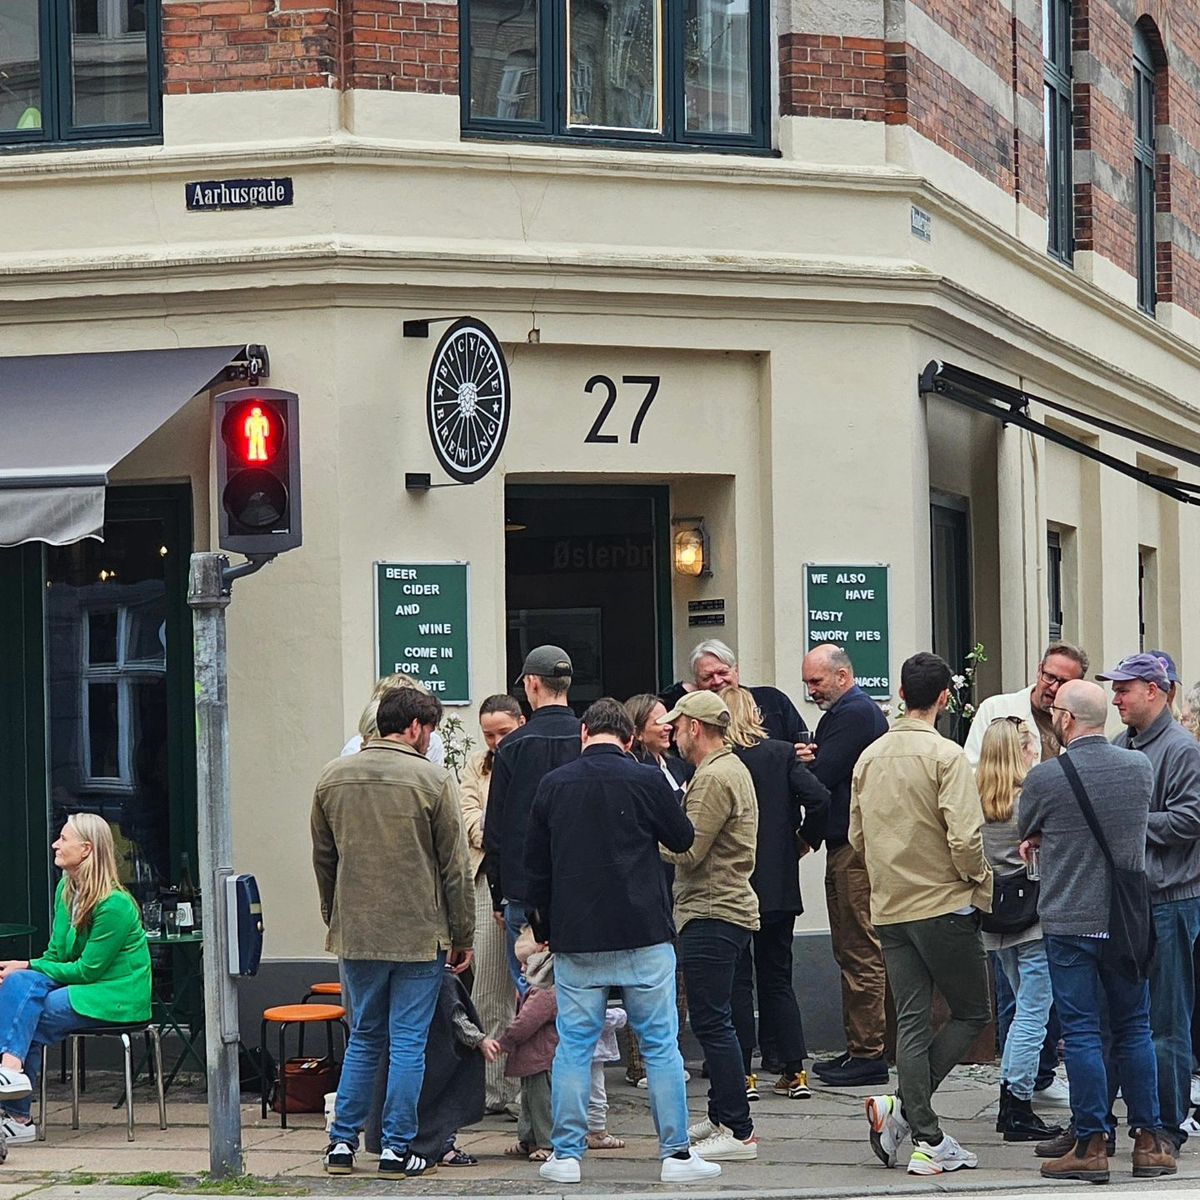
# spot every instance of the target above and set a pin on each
(1008, 751)
(95, 971)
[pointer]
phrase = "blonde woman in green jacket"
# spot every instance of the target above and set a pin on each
(96, 970)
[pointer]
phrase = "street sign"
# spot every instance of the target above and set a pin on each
(848, 606)
(422, 626)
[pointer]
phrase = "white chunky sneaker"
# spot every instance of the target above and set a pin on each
(702, 1129)
(14, 1132)
(1056, 1093)
(14, 1085)
(560, 1170)
(724, 1147)
(947, 1155)
(692, 1169)
(888, 1127)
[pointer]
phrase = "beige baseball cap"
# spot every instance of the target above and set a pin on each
(701, 706)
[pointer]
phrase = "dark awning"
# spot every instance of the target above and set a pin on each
(68, 419)
(1011, 405)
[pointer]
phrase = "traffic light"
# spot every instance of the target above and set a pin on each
(258, 470)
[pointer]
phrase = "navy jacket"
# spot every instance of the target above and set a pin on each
(780, 717)
(592, 869)
(784, 786)
(843, 733)
(547, 740)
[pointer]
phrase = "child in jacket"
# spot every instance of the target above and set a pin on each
(598, 1137)
(530, 1042)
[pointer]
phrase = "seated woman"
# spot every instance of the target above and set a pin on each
(96, 970)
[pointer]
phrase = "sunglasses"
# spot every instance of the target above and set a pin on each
(1011, 720)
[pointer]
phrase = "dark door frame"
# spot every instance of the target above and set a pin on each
(659, 496)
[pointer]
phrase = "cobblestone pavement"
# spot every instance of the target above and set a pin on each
(814, 1147)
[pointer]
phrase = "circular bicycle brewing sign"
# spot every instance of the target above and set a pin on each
(467, 400)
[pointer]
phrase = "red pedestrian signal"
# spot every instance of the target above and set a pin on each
(258, 470)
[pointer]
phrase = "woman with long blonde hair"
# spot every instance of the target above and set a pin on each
(1010, 749)
(96, 969)
(792, 804)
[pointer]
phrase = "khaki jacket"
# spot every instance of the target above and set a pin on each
(712, 879)
(390, 856)
(916, 821)
(472, 797)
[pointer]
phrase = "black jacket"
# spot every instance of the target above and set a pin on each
(780, 717)
(547, 740)
(843, 733)
(592, 868)
(783, 786)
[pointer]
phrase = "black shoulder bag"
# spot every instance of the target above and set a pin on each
(1014, 904)
(1129, 946)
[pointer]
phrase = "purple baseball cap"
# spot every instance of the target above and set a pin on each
(1169, 663)
(1147, 667)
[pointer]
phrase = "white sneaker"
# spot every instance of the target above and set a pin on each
(560, 1170)
(1190, 1126)
(888, 1127)
(947, 1155)
(692, 1169)
(643, 1084)
(14, 1085)
(1057, 1094)
(1195, 1092)
(14, 1132)
(701, 1130)
(722, 1146)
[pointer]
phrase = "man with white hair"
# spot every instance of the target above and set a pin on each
(715, 666)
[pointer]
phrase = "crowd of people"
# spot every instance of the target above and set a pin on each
(637, 866)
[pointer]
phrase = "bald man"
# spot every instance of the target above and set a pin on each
(1074, 911)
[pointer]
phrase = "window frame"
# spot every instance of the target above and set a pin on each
(57, 132)
(554, 82)
(1058, 89)
(1054, 583)
(1145, 160)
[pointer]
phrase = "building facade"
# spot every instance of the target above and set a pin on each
(717, 244)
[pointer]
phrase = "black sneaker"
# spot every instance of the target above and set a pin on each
(339, 1159)
(857, 1072)
(828, 1064)
(391, 1163)
(415, 1165)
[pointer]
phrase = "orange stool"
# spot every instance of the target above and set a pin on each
(319, 989)
(284, 1015)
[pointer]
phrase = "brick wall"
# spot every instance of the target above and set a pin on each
(254, 45)
(831, 76)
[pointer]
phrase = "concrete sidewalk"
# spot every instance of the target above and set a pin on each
(816, 1147)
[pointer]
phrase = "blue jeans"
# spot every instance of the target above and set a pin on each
(393, 1005)
(646, 977)
(1172, 993)
(709, 950)
(515, 919)
(1028, 973)
(1078, 981)
(1006, 1007)
(35, 1012)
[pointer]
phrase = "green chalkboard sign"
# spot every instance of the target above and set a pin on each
(848, 606)
(422, 626)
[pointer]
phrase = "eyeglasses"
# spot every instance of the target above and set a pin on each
(1059, 708)
(1048, 679)
(1011, 720)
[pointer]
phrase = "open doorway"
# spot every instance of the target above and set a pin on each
(588, 569)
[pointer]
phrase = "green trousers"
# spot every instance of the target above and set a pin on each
(947, 953)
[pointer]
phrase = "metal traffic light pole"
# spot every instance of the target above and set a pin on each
(209, 584)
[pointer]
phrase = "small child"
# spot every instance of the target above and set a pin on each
(530, 1042)
(598, 1137)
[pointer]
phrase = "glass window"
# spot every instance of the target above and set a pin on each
(694, 71)
(1144, 153)
(1058, 127)
(20, 66)
(79, 69)
(716, 66)
(504, 50)
(613, 64)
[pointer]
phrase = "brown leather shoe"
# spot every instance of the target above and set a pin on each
(1087, 1160)
(1153, 1154)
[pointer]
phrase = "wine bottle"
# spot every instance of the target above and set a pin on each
(186, 917)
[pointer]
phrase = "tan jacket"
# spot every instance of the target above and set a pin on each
(916, 821)
(712, 879)
(472, 797)
(390, 856)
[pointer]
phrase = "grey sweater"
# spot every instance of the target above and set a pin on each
(1173, 831)
(1075, 877)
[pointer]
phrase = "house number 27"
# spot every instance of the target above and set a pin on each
(608, 388)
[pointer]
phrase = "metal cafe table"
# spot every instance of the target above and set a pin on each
(178, 997)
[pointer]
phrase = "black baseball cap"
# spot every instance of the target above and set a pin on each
(551, 662)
